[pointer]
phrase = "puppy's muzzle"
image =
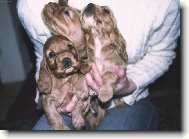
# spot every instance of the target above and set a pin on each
(90, 9)
(67, 62)
(50, 8)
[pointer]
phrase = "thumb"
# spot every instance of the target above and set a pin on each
(120, 71)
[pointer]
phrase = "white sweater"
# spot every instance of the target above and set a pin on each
(150, 28)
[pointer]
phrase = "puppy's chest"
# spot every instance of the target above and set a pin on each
(98, 54)
(98, 48)
(60, 89)
(60, 85)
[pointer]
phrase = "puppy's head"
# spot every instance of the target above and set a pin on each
(98, 19)
(61, 57)
(62, 19)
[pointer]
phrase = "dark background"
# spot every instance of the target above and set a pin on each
(18, 109)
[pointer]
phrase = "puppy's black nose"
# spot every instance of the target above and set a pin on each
(90, 5)
(90, 9)
(67, 62)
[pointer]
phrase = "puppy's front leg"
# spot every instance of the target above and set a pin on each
(109, 79)
(78, 120)
(80, 87)
(54, 118)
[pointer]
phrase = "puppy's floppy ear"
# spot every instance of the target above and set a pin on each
(44, 82)
(82, 51)
(86, 65)
(63, 2)
(83, 56)
(122, 50)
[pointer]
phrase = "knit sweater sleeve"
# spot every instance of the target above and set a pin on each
(161, 45)
(29, 13)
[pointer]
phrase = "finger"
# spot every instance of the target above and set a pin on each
(119, 87)
(120, 72)
(91, 73)
(123, 83)
(123, 80)
(96, 74)
(71, 104)
(91, 83)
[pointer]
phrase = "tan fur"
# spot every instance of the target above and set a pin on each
(106, 45)
(55, 78)
(107, 48)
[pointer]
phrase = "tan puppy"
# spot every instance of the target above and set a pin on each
(106, 46)
(60, 71)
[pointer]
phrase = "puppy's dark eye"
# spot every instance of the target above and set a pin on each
(99, 22)
(52, 54)
(70, 47)
(66, 13)
(106, 11)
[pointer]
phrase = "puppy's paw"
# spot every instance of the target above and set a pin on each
(78, 122)
(105, 94)
(61, 127)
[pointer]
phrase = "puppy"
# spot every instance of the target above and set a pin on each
(106, 46)
(59, 71)
(65, 20)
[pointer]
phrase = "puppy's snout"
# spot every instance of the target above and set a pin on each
(67, 62)
(90, 6)
(90, 9)
(50, 4)
(50, 8)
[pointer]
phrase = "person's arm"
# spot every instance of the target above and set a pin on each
(160, 54)
(29, 13)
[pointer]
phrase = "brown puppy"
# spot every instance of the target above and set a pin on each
(65, 20)
(106, 46)
(58, 72)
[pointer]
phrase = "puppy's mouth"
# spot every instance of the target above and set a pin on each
(65, 72)
(69, 70)
(88, 16)
(68, 65)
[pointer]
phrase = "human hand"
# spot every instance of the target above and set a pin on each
(69, 107)
(124, 86)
